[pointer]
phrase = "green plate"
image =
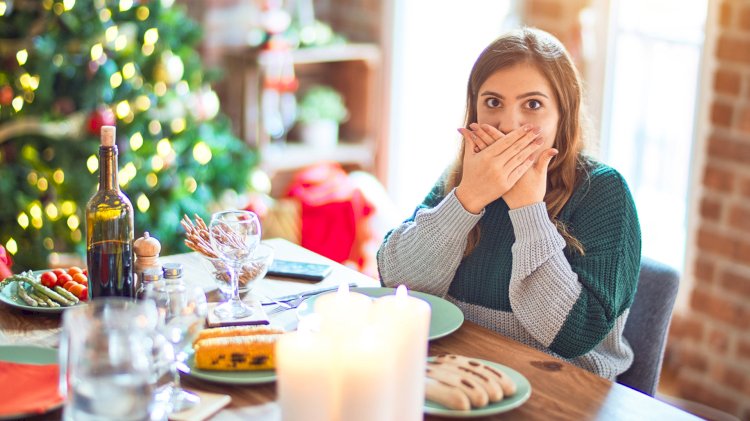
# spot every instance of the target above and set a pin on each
(9, 297)
(446, 318)
(523, 393)
(231, 377)
(26, 354)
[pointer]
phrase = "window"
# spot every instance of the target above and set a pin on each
(649, 113)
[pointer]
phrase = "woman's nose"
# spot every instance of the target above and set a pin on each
(509, 123)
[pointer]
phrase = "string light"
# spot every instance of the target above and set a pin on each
(76, 236)
(11, 246)
(182, 88)
(157, 163)
(32, 178)
(111, 33)
(121, 42)
(37, 223)
(92, 164)
(58, 176)
(122, 109)
(58, 60)
(136, 141)
(115, 80)
(151, 36)
(143, 203)
(154, 127)
(191, 185)
(178, 125)
(17, 103)
(143, 103)
(105, 15)
(128, 70)
(52, 211)
(3, 7)
(48, 243)
(152, 180)
(163, 148)
(125, 5)
(96, 52)
(58, 8)
(68, 4)
(23, 220)
(147, 49)
(142, 13)
(73, 222)
(68, 207)
(42, 185)
(160, 88)
(202, 153)
(22, 56)
(47, 4)
(35, 210)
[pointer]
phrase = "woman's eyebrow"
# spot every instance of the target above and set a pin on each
(527, 94)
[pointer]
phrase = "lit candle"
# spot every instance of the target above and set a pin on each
(343, 312)
(405, 323)
(306, 379)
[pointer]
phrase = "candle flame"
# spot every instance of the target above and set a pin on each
(401, 291)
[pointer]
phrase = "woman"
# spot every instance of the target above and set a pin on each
(545, 251)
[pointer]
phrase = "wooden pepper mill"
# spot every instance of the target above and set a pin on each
(146, 250)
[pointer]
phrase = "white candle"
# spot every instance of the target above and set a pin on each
(367, 376)
(306, 379)
(405, 323)
(343, 312)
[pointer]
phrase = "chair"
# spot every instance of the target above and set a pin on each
(648, 323)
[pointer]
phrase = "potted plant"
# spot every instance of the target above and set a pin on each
(320, 112)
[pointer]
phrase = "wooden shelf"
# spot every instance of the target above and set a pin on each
(332, 53)
(292, 155)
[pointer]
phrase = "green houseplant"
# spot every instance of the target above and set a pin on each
(320, 112)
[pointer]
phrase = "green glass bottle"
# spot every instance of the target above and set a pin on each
(109, 229)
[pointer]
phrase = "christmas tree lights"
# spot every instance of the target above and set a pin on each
(68, 67)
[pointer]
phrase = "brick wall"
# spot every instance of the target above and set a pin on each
(709, 343)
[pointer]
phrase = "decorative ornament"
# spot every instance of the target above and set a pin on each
(6, 8)
(101, 116)
(204, 104)
(6, 95)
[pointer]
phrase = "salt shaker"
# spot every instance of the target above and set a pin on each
(173, 272)
(146, 250)
(148, 277)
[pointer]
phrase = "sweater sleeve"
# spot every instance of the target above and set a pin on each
(570, 303)
(425, 250)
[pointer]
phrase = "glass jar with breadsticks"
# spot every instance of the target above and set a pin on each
(197, 238)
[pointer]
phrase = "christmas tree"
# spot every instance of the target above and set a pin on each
(67, 67)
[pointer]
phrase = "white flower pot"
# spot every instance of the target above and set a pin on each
(320, 134)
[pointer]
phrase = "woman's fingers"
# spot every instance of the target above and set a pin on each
(522, 148)
(483, 138)
(470, 139)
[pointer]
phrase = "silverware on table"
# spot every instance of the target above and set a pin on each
(293, 301)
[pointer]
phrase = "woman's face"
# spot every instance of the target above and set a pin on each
(518, 95)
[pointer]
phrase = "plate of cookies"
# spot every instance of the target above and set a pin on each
(462, 387)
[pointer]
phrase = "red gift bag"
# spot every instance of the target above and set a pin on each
(5, 263)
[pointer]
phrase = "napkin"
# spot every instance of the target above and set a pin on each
(210, 404)
(258, 317)
(35, 388)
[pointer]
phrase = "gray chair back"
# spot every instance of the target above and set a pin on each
(648, 323)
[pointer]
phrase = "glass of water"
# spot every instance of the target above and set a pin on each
(182, 312)
(110, 361)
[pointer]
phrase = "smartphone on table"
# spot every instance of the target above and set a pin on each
(299, 270)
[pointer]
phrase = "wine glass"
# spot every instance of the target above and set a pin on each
(234, 236)
(182, 312)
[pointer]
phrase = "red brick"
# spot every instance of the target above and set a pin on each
(725, 14)
(692, 359)
(739, 217)
(721, 114)
(704, 269)
(703, 392)
(736, 283)
(544, 8)
(710, 209)
(743, 124)
(745, 187)
(743, 349)
(686, 327)
(713, 242)
(720, 308)
(733, 49)
(718, 341)
(732, 377)
(718, 179)
(725, 148)
(744, 22)
(727, 82)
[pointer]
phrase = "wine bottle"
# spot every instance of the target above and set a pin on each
(109, 229)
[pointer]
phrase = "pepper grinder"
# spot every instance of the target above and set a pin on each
(146, 251)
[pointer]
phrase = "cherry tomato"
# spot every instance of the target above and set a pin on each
(81, 278)
(58, 272)
(76, 289)
(84, 294)
(70, 284)
(63, 279)
(48, 279)
(73, 270)
(85, 272)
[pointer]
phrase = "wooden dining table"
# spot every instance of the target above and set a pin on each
(560, 390)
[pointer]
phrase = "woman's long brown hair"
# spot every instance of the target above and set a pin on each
(547, 54)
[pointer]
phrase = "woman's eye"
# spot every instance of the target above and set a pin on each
(492, 102)
(534, 104)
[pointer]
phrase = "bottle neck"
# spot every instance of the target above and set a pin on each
(108, 168)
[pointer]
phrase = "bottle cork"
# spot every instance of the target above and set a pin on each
(108, 135)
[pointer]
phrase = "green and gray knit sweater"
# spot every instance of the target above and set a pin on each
(521, 280)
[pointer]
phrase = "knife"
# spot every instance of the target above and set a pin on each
(291, 297)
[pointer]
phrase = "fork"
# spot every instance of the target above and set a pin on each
(299, 299)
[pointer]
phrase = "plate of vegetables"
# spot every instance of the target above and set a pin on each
(45, 291)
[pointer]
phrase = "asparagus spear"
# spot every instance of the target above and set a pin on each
(22, 294)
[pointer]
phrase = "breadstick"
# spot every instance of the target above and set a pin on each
(449, 396)
(509, 387)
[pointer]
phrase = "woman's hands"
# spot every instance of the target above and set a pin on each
(498, 165)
